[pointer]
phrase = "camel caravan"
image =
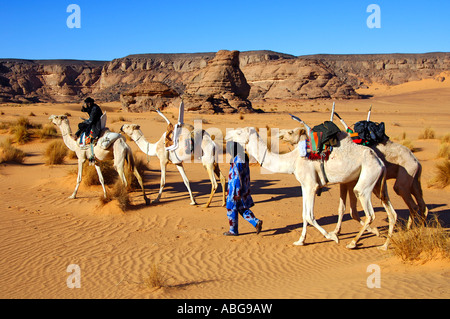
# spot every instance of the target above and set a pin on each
(360, 160)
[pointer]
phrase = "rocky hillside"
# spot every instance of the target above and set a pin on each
(269, 74)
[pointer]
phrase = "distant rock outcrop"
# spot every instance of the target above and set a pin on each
(47, 81)
(214, 82)
(147, 96)
(295, 79)
(219, 87)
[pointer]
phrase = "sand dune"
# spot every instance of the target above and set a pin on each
(42, 232)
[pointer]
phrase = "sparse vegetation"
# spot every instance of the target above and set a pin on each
(47, 131)
(119, 193)
(444, 151)
(129, 175)
(428, 133)
(442, 177)
(445, 138)
(422, 242)
(155, 277)
(90, 176)
(9, 153)
(408, 144)
(56, 153)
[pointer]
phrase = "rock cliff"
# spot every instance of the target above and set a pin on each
(267, 74)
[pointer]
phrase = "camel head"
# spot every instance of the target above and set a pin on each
(58, 119)
(291, 136)
(240, 135)
(129, 129)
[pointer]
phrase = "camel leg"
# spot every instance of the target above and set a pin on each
(308, 216)
(300, 241)
(209, 169)
(141, 183)
(416, 190)
(392, 216)
(354, 214)
(342, 200)
(100, 178)
(163, 181)
(80, 174)
(364, 197)
(222, 182)
(404, 191)
(186, 182)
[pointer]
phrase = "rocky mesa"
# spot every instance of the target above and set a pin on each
(224, 81)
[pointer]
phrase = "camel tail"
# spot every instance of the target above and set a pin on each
(130, 160)
(383, 189)
(418, 189)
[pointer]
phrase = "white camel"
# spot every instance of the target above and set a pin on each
(347, 163)
(209, 157)
(118, 150)
(401, 165)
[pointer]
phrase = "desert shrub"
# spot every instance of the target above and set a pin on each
(141, 166)
(408, 144)
(21, 134)
(9, 153)
(428, 133)
(423, 242)
(444, 151)
(90, 176)
(155, 278)
(22, 130)
(47, 131)
(118, 192)
(55, 153)
(442, 177)
(445, 138)
(71, 155)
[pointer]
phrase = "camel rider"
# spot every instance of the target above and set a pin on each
(88, 129)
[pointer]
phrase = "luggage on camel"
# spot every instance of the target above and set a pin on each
(323, 135)
(370, 132)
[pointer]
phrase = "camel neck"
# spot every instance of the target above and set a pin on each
(273, 162)
(66, 133)
(145, 146)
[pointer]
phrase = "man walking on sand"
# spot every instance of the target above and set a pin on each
(239, 199)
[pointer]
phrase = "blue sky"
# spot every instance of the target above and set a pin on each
(111, 29)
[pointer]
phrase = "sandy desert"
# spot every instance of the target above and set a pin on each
(43, 232)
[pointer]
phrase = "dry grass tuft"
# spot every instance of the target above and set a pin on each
(90, 176)
(445, 138)
(423, 242)
(141, 166)
(55, 153)
(9, 153)
(442, 177)
(155, 277)
(444, 151)
(428, 133)
(118, 192)
(47, 131)
(408, 144)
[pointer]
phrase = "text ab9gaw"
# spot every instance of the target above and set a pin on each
(243, 308)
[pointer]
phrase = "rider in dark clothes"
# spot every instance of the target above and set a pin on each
(89, 127)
